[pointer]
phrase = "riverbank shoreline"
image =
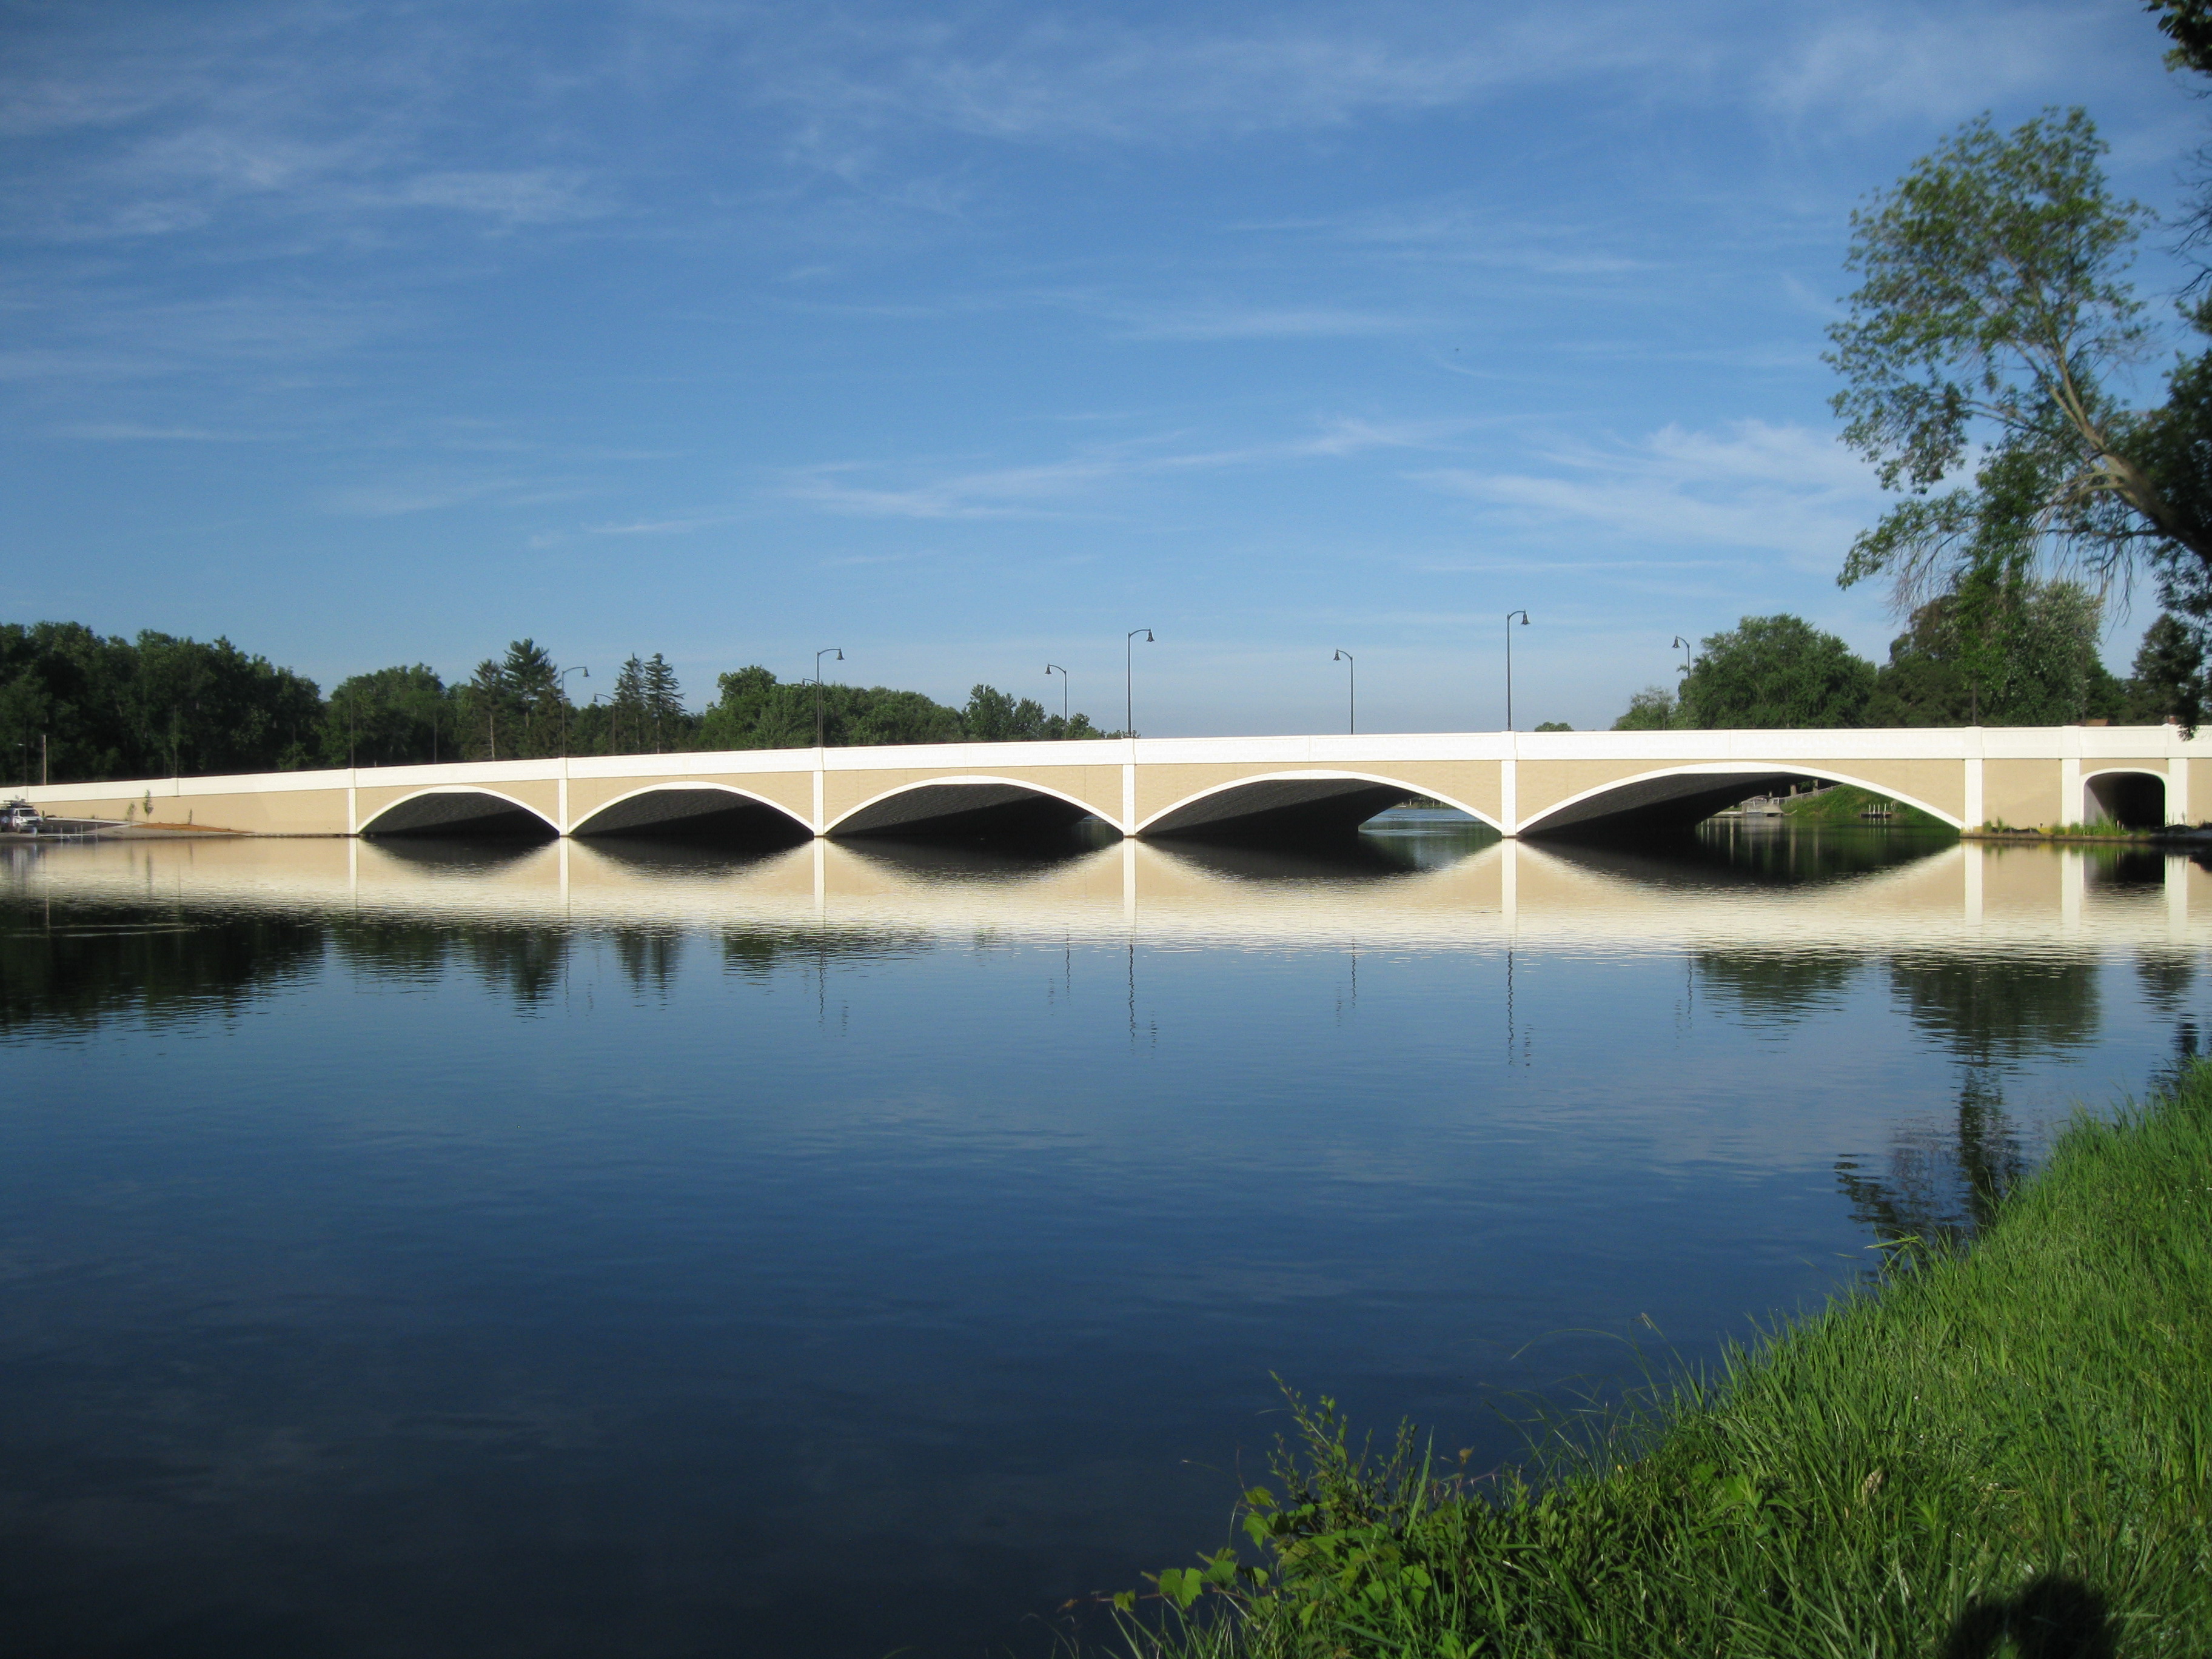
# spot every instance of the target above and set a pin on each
(1993, 1449)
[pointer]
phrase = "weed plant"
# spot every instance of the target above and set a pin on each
(2005, 1449)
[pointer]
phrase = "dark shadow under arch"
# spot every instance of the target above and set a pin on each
(1280, 810)
(473, 813)
(985, 809)
(2132, 800)
(1671, 804)
(695, 812)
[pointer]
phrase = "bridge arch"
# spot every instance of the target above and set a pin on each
(2131, 797)
(976, 804)
(1302, 803)
(693, 808)
(460, 809)
(1688, 794)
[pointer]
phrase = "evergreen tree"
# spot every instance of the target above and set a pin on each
(664, 701)
(2168, 683)
(627, 708)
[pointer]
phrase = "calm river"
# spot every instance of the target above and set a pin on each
(569, 1249)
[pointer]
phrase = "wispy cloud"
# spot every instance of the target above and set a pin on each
(1269, 323)
(1782, 489)
(132, 432)
(1923, 63)
(1076, 483)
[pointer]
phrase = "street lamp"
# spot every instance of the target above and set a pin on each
(1509, 616)
(563, 683)
(826, 651)
(1352, 670)
(1685, 647)
(1050, 669)
(1129, 679)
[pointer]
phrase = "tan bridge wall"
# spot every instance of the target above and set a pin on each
(2025, 777)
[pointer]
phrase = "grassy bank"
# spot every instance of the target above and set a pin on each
(1845, 803)
(2006, 1450)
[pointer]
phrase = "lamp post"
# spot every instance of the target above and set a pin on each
(563, 684)
(826, 651)
(1509, 616)
(1129, 679)
(1050, 669)
(1352, 673)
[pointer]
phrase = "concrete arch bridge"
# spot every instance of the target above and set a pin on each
(1518, 783)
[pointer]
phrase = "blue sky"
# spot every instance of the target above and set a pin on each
(968, 338)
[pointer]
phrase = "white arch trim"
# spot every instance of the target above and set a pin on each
(1737, 768)
(1306, 774)
(978, 777)
(689, 786)
(369, 827)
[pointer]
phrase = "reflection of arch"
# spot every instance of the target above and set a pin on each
(1686, 795)
(450, 809)
(2127, 796)
(1291, 803)
(693, 809)
(955, 806)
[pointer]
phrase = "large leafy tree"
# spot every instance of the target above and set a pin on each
(400, 716)
(2026, 656)
(1776, 672)
(1980, 353)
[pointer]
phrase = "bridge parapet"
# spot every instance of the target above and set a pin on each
(1517, 782)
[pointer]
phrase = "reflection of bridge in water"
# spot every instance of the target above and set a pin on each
(1254, 788)
(1963, 896)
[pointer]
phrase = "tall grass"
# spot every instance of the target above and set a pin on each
(2000, 1450)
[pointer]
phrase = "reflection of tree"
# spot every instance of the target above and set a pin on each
(1990, 1010)
(403, 951)
(756, 951)
(2166, 977)
(526, 962)
(1771, 987)
(648, 957)
(1941, 1186)
(81, 968)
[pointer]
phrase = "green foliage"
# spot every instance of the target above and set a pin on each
(2024, 656)
(756, 711)
(1990, 317)
(645, 714)
(112, 706)
(2168, 682)
(1651, 709)
(1995, 1450)
(2188, 24)
(392, 717)
(1847, 803)
(1553, 726)
(1776, 672)
(993, 716)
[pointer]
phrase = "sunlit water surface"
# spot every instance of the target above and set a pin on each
(569, 1250)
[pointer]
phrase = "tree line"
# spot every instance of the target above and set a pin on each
(77, 707)
(2040, 668)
